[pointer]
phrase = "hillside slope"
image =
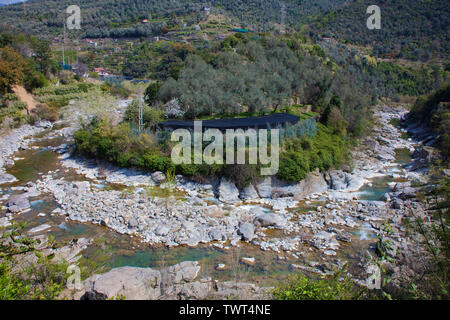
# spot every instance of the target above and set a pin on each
(99, 17)
(411, 29)
(433, 111)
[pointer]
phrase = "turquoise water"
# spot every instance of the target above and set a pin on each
(378, 188)
(380, 185)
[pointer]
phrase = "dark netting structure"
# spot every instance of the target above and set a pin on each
(264, 122)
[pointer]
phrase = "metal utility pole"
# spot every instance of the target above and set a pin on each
(64, 41)
(283, 19)
(141, 115)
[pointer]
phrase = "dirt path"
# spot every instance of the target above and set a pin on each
(25, 97)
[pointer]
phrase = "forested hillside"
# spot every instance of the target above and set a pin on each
(101, 18)
(260, 76)
(122, 18)
(265, 15)
(411, 29)
(434, 112)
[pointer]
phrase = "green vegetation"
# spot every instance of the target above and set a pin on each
(305, 148)
(384, 79)
(262, 76)
(434, 283)
(335, 287)
(22, 280)
(124, 19)
(434, 111)
(302, 155)
(410, 29)
(11, 113)
(23, 61)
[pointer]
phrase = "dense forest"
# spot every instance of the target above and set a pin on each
(420, 32)
(256, 77)
(410, 29)
(121, 18)
(434, 111)
(384, 78)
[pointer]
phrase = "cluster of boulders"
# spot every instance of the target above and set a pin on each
(179, 282)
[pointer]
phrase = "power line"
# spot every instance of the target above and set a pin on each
(141, 116)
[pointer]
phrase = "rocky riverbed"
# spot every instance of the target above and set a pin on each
(319, 216)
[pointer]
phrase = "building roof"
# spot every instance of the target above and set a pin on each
(264, 122)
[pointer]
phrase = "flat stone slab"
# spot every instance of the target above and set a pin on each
(40, 228)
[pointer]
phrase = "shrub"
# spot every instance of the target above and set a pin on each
(33, 80)
(331, 288)
(154, 162)
(302, 155)
(45, 112)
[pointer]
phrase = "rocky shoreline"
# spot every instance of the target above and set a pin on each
(178, 282)
(219, 214)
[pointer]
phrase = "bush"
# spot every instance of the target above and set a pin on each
(45, 112)
(332, 288)
(34, 80)
(44, 279)
(154, 162)
(302, 155)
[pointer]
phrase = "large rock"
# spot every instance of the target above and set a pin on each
(313, 183)
(240, 291)
(190, 291)
(406, 193)
(401, 185)
(172, 283)
(162, 230)
(45, 124)
(247, 231)
(217, 235)
(7, 178)
(249, 193)
(264, 188)
(128, 282)
(158, 177)
(4, 222)
(337, 180)
(18, 203)
(228, 192)
(133, 223)
(184, 272)
(397, 204)
(371, 144)
(264, 219)
(424, 153)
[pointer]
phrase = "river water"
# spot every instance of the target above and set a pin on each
(111, 249)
